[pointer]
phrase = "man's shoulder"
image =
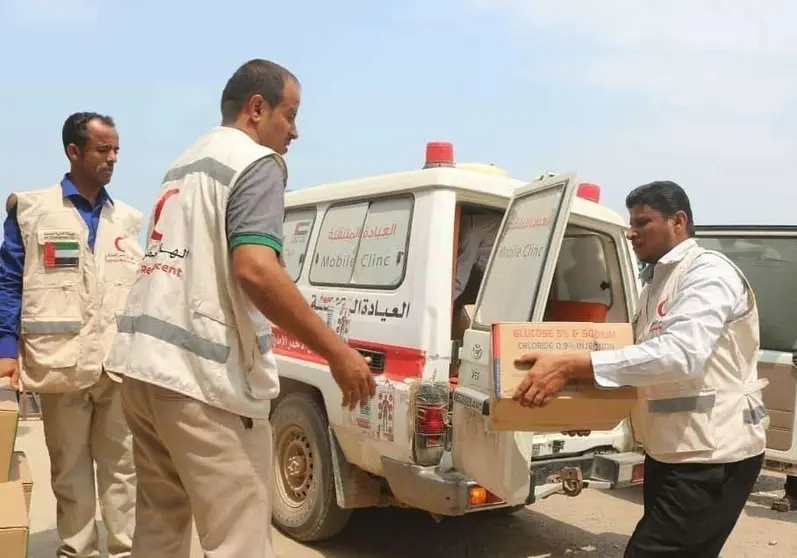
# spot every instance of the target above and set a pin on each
(714, 264)
(269, 169)
(30, 197)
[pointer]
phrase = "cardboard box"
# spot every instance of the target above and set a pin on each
(14, 525)
(579, 406)
(20, 472)
(9, 419)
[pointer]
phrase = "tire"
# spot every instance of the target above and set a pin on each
(304, 505)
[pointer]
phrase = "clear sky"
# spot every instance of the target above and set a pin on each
(621, 91)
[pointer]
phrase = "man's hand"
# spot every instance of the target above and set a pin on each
(9, 368)
(548, 375)
(350, 371)
(572, 433)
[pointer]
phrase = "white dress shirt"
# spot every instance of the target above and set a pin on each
(476, 238)
(711, 294)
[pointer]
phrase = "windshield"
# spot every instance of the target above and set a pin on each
(770, 265)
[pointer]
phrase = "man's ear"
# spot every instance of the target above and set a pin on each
(680, 220)
(258, 108)
(73, 152)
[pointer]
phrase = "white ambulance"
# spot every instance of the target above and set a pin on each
(376, 257)
(768, 257)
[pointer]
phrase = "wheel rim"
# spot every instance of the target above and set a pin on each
(294, 465)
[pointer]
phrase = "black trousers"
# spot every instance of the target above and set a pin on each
(791, 485)
(691, 509)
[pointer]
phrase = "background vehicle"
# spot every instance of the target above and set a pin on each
(768, 257)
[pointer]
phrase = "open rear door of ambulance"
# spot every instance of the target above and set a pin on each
(768, 257)
(514, 289)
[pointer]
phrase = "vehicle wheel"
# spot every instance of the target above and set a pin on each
(304, 507)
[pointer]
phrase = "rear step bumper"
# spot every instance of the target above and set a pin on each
(570, 475)
(447, 493)
(428, 488)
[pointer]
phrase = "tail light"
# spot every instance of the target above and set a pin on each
(430, 404)
(638, 473)
(432, 421)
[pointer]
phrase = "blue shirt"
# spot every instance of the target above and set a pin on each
(12, 263)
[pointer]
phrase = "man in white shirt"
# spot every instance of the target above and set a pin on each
(700, 415)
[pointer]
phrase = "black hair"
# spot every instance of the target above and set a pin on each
(255, 77)
(76, 126)
(663, 196)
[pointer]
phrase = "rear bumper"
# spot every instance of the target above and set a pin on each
(448, 492)
(569, 475)
(428, 488)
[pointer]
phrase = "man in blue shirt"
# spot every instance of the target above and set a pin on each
(69, 256)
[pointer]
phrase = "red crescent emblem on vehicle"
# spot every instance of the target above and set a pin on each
(116, 243)
(158, 209)
(660, 308)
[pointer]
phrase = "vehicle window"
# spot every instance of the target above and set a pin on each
(514, 273)
(296, 232)
(581, 273)
(770, 265)
(364, 244)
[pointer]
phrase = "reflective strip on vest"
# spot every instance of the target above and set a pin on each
(66, 326)
(692, 403)
(755, 415)
(174, 335)
(211, 168)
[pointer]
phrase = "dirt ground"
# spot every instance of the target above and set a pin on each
(595, 524)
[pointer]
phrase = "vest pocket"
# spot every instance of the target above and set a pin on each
(211, 335)
(262, 378)
(680, 424)
(50, 343)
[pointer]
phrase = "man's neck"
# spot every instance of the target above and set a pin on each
(87, 189)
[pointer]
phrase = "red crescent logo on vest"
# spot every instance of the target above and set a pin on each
(660, 308)
(158, 209)
(116, 243)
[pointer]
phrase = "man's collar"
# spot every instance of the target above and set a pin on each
(672, 257)
(69, 189)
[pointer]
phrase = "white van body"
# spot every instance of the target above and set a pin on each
(376, 258)
(768, 257)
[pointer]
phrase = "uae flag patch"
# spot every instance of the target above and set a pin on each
(61, 254)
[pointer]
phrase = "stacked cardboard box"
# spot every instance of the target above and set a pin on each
(15, 482)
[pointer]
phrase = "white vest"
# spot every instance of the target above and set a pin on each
(188, 326)
(719, 417)
(71, 296)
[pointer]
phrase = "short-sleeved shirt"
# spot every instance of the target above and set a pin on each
(256, 206)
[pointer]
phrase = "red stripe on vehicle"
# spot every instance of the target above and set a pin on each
(400, 362)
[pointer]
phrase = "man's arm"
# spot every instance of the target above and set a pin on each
(710, 295)
(12, 264)
(255, 211)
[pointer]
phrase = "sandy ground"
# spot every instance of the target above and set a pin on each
(594, 524)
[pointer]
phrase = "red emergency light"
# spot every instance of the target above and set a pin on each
(590, 192)
(439, 154)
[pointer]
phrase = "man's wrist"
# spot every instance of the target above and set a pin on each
(579, 367)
